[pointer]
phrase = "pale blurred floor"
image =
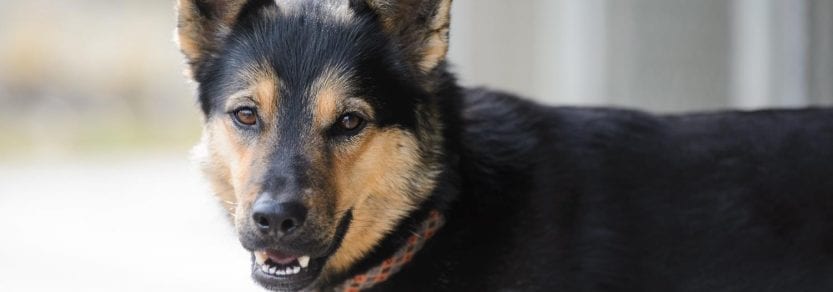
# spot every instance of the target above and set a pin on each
(115, 224)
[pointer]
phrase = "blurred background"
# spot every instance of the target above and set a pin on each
(96, 119)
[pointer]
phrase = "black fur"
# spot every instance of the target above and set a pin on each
(570, 199)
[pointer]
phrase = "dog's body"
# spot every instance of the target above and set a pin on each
(333, 131)
(570, 199)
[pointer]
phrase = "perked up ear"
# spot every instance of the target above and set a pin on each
(202, 24)
(420, 28)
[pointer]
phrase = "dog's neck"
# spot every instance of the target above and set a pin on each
(399, 259)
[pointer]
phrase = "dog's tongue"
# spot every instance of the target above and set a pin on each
(280, 258)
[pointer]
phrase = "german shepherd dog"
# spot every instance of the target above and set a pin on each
(349, 159)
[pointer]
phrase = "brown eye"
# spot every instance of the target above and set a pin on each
(350, 122)
(246, 116)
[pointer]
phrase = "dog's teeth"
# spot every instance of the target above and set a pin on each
(296, 270)
(264, 268)
(289, 271)
(273, 270)
(303, 261)
(280, 272)
(260, 257)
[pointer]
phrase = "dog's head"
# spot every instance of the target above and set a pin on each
(321, 129)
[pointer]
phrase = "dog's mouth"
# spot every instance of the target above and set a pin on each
(280, 271)
(276, 264)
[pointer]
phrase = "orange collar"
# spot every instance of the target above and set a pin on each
(395, 263)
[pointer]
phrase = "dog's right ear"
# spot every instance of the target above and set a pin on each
(203, 24)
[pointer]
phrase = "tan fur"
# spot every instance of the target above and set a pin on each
(231, 165)
(436, 47)
(326, 106)
(191, 46)
(329, 90)
(376, 181)
(208, 155)
(266, 90)
(434, 51)
(197, 34)
(427, 42)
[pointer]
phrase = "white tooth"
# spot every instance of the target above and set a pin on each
(296, 270)
(264, 268)
(280, 272)
(289, 271)
(273, 270)
(260, 257)
(303, 261)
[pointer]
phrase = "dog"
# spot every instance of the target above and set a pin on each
(349, 159)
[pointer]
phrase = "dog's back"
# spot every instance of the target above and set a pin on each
(603, 199)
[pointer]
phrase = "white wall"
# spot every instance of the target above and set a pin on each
(664, 55)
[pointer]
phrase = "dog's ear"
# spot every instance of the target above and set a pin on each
(203, 24)
(420, 28)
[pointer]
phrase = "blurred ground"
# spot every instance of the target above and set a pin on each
(144, 223)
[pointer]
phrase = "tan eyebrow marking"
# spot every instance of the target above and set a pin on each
(263, 92)
(266, 95)
(329, 91)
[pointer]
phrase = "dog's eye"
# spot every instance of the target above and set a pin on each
(246, 116)
(350, 123)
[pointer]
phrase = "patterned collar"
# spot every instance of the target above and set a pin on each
(395, 263)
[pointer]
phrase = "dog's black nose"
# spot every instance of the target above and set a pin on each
(280, 218)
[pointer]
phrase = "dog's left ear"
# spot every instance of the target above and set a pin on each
(419, 27)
